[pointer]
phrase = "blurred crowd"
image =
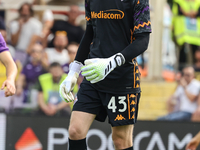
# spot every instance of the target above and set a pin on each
(43, 47)
(184, 103)
(186, 31)
(181, 35)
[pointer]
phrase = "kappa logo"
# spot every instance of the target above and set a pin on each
(119, 117)
(133, 117)
(133, 109)
(132, 96)
(108, 14)
(133, 102)
(28, 141)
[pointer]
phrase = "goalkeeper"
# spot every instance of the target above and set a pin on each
(117, 32)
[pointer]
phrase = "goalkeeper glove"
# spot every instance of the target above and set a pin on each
(70, 81)
(98, 68)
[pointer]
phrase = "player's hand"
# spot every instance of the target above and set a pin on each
(67, 86)
(49, 109)
(193, 144)
(10, 87)
(97, 69)
(70, 81)
(53, 109)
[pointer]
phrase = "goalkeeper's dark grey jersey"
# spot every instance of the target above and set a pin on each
(115, 22)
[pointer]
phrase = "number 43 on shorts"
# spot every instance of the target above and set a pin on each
(123, 108)
(113, 106)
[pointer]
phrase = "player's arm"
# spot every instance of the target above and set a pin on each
(193, 144)
(97, 69)
(11, 72)
(84, 48)
(137, 47)
(75, 67)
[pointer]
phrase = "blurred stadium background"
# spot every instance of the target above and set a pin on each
(25, 123)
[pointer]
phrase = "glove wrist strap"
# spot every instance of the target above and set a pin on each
(75, 66)
(119, 59)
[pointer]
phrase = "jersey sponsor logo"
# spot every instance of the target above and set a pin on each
(119, 117)
(108, 14)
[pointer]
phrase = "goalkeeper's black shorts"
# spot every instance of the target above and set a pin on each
(121, 109)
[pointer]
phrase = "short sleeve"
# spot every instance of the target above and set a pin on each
(3, 46)
(37, 27)
(194, 88)
(141, 16)
(88, 12)
(47, 16)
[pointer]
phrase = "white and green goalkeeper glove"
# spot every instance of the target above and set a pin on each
(70, 81)
(97, 69)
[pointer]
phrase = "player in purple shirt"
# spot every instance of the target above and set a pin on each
(11, 69)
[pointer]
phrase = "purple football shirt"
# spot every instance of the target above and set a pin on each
(65, 68)
(32, 73)
(3, 46)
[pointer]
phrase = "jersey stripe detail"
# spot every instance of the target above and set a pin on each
(128, 107)
(142, 25)
(132, 31)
